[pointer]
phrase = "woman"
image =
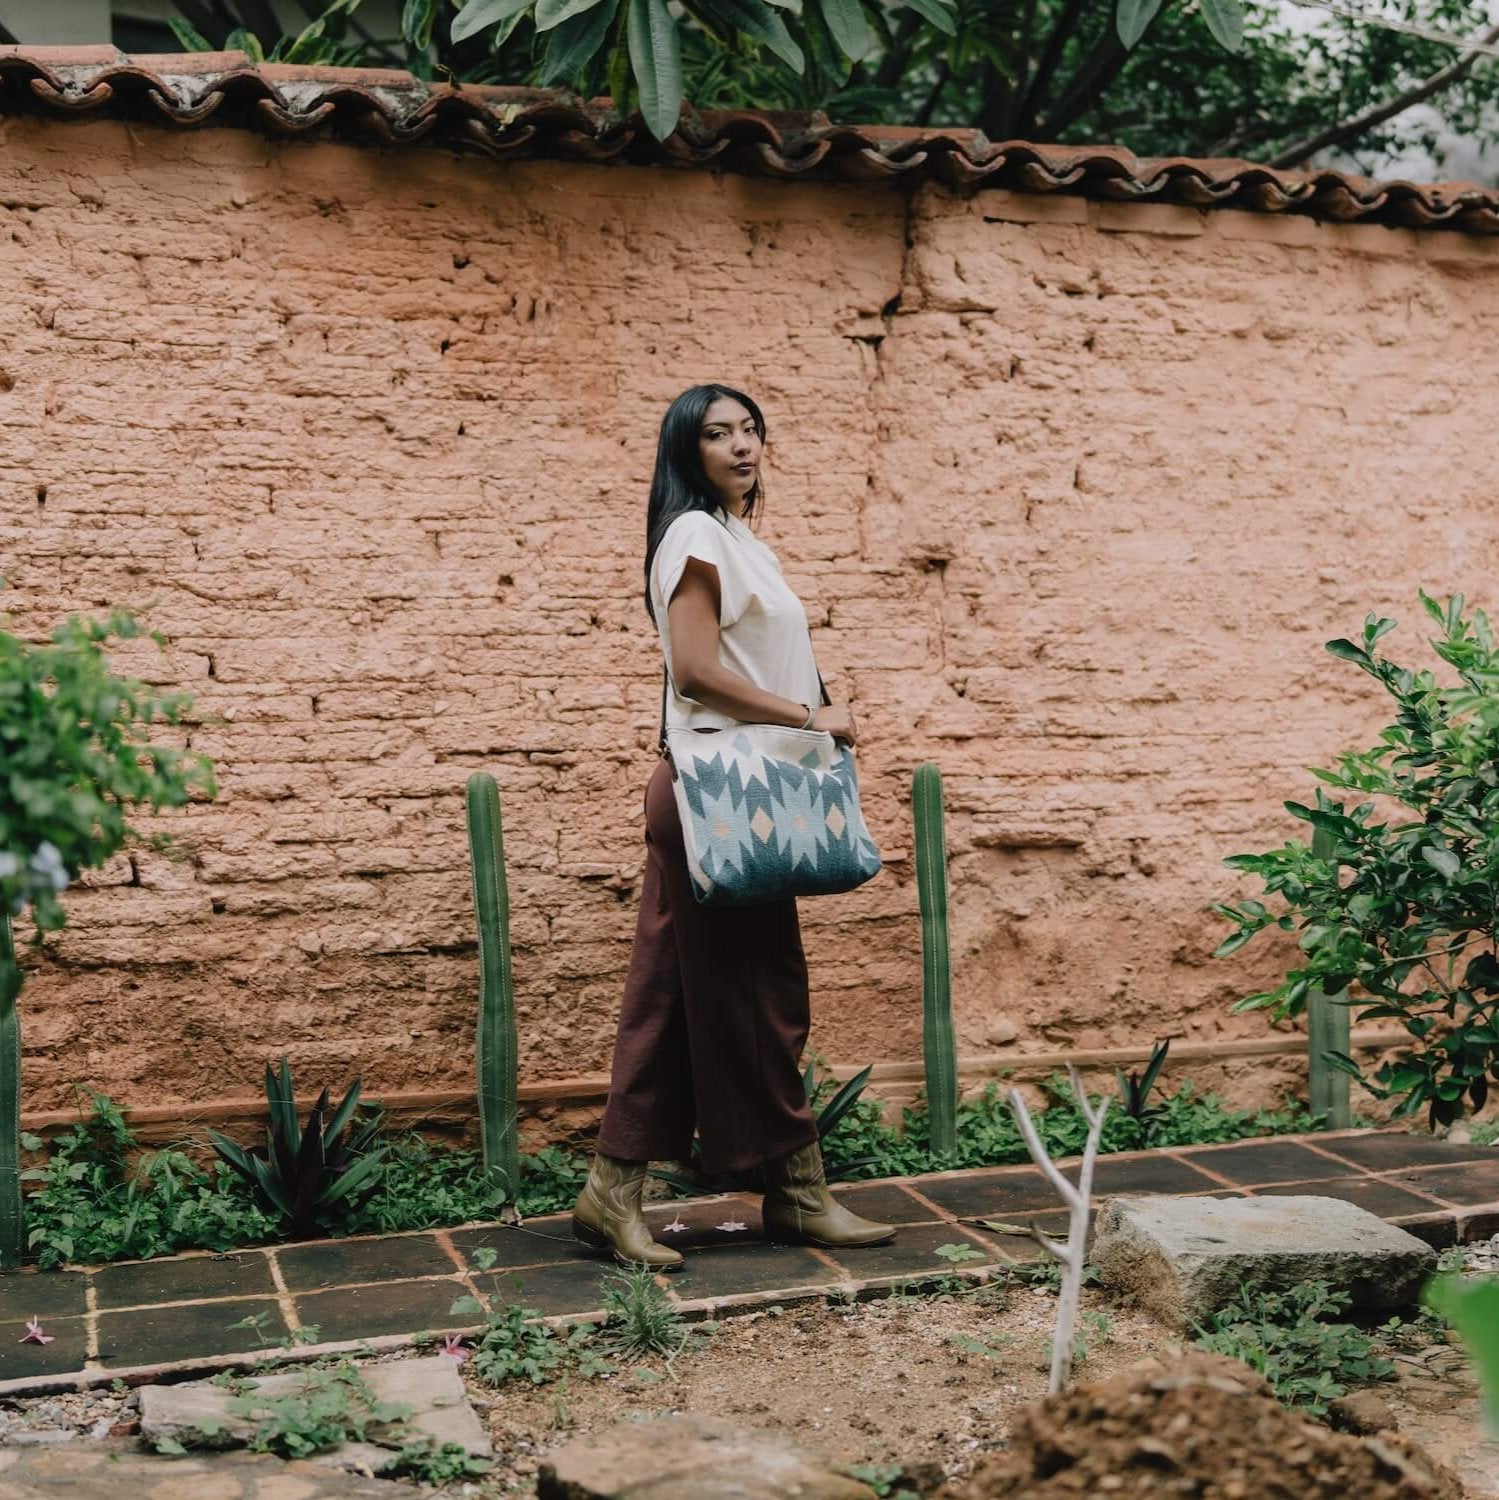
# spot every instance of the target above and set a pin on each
(715, 1011)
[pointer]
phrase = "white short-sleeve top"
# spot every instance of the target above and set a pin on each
(762, 627)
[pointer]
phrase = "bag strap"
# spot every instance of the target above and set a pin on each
(665, 682)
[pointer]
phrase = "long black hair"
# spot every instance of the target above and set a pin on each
(679, 484)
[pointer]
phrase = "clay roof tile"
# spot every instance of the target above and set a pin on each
(390, 107)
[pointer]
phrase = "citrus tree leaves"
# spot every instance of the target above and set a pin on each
(656, 58)
(1397, 901)
(1133, 17)
(479, 14)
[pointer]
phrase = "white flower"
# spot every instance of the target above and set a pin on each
(730, 1225)
(47, 863)
(675, 1227)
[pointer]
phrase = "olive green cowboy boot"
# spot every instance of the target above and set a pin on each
(607, 1215)
(800, 1209)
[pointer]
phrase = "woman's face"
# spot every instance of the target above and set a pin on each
(729, 446)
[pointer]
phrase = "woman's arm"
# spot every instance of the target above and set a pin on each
(692, 621)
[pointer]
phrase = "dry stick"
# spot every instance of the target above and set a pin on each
(1077, 1199)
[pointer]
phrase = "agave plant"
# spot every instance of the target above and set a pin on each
(1134, 1092)
(309, 1171)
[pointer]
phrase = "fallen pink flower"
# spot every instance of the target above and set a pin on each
(452, 1346)
(34, 1334)
(675, 1227)
(730, 1225)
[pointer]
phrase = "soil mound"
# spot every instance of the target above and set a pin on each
(1194, 1425)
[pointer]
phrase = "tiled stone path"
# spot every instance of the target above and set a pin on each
(139, 1319)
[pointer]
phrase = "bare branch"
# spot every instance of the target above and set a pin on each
(1355, 125)
(1051, 55)
(1054, 1248)
(1065, 1190)
(1071, 1255)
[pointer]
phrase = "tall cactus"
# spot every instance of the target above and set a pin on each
(499, 1114)
(938, 1046)
(1328, 1028)
(12, 1215)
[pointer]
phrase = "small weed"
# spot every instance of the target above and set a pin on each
(959, 1254)
(990, 1349)
(1048, 1273)
(884, 1479)
(308, 1333)
(256, 1323)
(328, 1406)
(1289, 1339)
(485, 1257)
(427, 1463)
(641, 1319)
(512, 1345)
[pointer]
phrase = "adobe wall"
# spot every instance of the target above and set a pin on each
(1074, 494)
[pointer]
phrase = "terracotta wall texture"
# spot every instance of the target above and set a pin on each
(1074, 493)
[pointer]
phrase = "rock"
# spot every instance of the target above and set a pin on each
(1461, 1134)
(687, 1458)
(1184, 1258)
(1001, 1032)
(431, 1387)
(1362, 1412)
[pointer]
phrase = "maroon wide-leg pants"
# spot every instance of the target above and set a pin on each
(713, 1022)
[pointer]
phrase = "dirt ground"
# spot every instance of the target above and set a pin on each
(1196, 1425)
(882, 1382)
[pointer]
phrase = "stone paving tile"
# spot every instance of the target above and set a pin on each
(999, 1194)
(537, 1242)
(570, 1286)
(367, 1312)
(885, 1202)
(139, 1283)
(1146, 1174)
(752, 1267)
(177, 1331)
(41, 1294)
(331, 1263)
(1276, 1161)
(1470, 1182)
(67, 1352)
(1387, 1150)
(1379, 1197)
(707, 1223)
(913, 1250)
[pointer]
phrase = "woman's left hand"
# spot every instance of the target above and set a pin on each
(837, 719)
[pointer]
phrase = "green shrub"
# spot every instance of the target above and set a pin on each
(512, 1345)
(1289, 1339)
(988, 1135)
(98, 1198)
(1403, 912)
(75, 760)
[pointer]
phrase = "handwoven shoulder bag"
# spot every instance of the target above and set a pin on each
(768, 812)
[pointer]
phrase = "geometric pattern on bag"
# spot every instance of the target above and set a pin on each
(769, 812)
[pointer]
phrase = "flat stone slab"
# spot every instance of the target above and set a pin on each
(689, 1457)
(1184, 1258)
(109, 1471)
(197, 1415)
